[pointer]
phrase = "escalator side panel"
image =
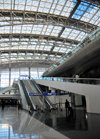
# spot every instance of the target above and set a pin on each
(26, 95)
(39, 90)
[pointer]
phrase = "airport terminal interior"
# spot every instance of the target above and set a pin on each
(49, 69)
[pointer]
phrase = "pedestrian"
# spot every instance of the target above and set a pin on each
(2, 104)
(67, 108)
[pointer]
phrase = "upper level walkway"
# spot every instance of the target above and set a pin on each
(9, 93)
(10, 96)
(82, 57)
(90, 88)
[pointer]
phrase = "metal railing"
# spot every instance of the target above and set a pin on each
(94, 81)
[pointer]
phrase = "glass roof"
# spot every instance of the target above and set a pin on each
(59, 7)
(44, 29)
(88, 12)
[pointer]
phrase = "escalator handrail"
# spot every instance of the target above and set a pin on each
(26, 94)
(46, 98)
(41, 97)
(29, 96)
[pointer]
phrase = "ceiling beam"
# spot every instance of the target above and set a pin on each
(37, 36)
(26, 63)
(30, 51)
(43, 18)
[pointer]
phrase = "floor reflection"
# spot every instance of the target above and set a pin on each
(78, 125)
(59, 121)
(16, 124)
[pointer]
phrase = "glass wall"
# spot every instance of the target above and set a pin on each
(4, 78)
(7, 78)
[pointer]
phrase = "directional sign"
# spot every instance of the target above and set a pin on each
(40, 94)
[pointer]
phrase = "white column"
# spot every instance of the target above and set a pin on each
(9, 75)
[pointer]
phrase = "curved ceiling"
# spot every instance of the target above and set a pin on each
(44, 30)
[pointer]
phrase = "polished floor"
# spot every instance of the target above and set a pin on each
(18, 124)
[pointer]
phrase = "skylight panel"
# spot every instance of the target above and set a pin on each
(56, 49)
(4, 59)
(66, 32)
(20, 57)
(13, 58)
(5, 44)
(83, 9)
(20, 5)
(68, 50)
(48, 30)
(37, 29)
(4, 54)
(54, 34)
(6, 4)
(97, 22)
(32, 47)
(5, 29)
(35, 3)
(14, 43)
(28, 57)
(62, 50)
(37, 47)
(56, 30)
(59, 7)
(16, 29)
(4, 40)
(4, 18)
(75, 32)
(90, 14)
(29, 2)
(67, 8)
(44, 29)
(71, 34)
(29, 54)
(57, 12)
(53, 7)
(72, 37)
(96, 19)
(41, 48)
(44, 6)
(47, 48)
(81, 36)
(13, 54)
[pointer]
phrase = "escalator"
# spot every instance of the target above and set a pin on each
(39, 104)
(26, 95)
(47, 102)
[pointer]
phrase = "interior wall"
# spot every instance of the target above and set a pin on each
(91, 92)
(60, 99)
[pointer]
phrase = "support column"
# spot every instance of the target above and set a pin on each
(19, 72)
(0, 79)
(29, 72)
(9, 75)
(37, 72)
(8, 131)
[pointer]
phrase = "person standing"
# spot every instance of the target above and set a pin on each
(2, 104)
(67, 107)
